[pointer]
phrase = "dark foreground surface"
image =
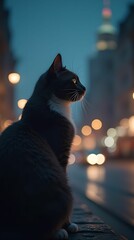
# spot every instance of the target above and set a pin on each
(90, 226)
(108, 191)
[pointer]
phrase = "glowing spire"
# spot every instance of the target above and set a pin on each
(106, 32)
(106, 12)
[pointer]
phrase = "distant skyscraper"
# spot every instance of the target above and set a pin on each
(106, 32)
(124, 68)
(7, 63)
(101, 67)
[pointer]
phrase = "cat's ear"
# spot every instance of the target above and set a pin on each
(57, 64)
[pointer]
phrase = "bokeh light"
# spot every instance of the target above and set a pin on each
(96, 124)
(92, 159)
(124, 122)
(101, 45)
(121, 131)
(111, 132)
(96, 159)
(100, 159)
(14, 78)
(71, 159)
(86, 130)
(22, 103)
(77, 140)
(106, 12)
(131, 125)
(7, 123)
(19, 118)
(109, 141)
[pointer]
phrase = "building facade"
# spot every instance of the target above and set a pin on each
(7, 65)
(124, 69)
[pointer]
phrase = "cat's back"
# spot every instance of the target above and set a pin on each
(23, 148)
(18, 139)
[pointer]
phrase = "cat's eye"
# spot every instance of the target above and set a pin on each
(74, 81)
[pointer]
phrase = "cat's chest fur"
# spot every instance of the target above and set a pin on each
(60, 131)
(60, 106)
(53, 123)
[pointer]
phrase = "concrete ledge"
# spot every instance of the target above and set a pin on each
(90, 226)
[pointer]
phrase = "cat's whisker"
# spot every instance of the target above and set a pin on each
(67, 89)
(77, 96)
(85, 106)
(72, 92)
(73, 96)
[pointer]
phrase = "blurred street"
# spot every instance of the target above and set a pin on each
(111, 188)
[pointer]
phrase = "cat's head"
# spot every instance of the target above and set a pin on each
(60, 82)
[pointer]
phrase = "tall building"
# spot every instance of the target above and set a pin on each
(111, 93)
(101, 67)
(124, 68)
(7, 64)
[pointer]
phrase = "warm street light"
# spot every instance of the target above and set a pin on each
(100, 159)
(7, 123)
(92, 159)
(77, 140)
(22, 103)
(124, 122)
(14, 78)
(131, 125)
(96, 159)
(96, 124)
(86, 130)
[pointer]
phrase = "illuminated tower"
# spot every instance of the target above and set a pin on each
(106, 32)
(101, 74)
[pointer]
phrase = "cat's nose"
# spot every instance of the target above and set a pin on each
(84, 89)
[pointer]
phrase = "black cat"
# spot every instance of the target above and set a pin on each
(35, 199)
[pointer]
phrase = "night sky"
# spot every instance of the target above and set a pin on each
(42, 28)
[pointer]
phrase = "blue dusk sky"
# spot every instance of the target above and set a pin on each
(42, 28)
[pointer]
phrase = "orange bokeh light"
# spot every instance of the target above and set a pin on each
(86, 130)
(96, 124)
(22, 103)
(77, 140)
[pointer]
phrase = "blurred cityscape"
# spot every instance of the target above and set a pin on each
(106, 129)
(107, 125)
